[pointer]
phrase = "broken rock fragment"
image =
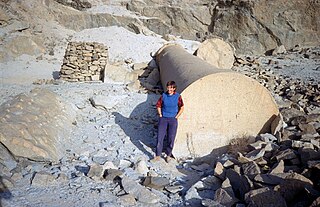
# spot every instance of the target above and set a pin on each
(36, 125)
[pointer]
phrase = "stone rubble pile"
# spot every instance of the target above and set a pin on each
(128, 185)
(274, 170)
(84, 61)
(280, 170)
(303, 95)
(271, 172)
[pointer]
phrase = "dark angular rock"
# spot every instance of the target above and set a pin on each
(288, 135)
(211, 182)
(314, 164)
(278, 168)
(264, 197)
(286, 155)
(251, 169)
(293, 185)
(315, 203)
(292, 169)
(239, 183)
(298, 120)
(308, 154)
(256, 154)
(270, 179)
(307, 129)
(224, 197)
(290, 113)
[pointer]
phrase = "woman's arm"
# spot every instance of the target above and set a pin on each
(159, 111)
(159, 106)
(180, 111)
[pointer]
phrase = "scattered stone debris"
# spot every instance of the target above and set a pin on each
(261, 170)
(278, 169)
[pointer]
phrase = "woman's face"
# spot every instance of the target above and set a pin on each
(170, 89)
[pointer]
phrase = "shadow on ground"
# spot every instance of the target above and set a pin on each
(140, 125)
(141, 128)
(4, 191)
(193, 176)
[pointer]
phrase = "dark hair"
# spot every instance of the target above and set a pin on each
(172, 83)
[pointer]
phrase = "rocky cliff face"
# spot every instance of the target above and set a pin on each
(259, 26)
(252, 26)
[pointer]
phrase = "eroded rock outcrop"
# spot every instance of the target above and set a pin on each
(244, 23)
(36, 125)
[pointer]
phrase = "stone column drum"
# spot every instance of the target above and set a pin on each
(219, 104)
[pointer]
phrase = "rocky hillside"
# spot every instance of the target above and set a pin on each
(90, 143)
(252, 26)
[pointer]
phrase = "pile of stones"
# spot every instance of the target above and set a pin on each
(280, 169)
(84, 61)
(271, 172)
(303, 95)
(274, 170)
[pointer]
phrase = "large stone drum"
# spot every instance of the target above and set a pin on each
(219, 104)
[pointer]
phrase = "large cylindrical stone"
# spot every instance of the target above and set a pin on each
(219, 104)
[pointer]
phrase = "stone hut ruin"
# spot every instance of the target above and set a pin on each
(84, 61)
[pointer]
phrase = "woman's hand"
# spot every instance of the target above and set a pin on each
(159, 112)
(179, 112)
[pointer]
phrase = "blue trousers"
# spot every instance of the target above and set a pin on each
(166, 126)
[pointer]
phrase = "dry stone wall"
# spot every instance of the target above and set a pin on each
(84, 61)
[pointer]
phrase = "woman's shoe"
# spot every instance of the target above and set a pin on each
(168, 159)
(155, 159)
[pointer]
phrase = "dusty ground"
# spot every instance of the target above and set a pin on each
(127, 130)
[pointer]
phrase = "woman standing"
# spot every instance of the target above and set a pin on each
(170, 107)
